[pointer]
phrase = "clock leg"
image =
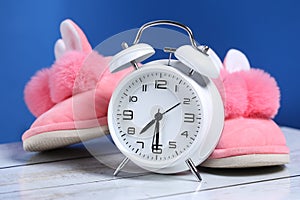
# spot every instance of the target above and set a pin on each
(121, 165)
(193, 169)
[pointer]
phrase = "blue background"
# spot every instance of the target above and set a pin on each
(267, 31)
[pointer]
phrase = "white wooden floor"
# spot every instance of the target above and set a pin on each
(72, 173)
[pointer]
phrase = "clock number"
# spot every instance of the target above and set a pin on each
(144, 88)
(160, 84)
(172, 144)
(131, 130)
(133, 98)
(128, 114)
(157, 148)
(141, 142)
(189, 117)
(185, 133)
(186, 101)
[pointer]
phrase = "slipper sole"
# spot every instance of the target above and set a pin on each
(251, 160)
(56, 139)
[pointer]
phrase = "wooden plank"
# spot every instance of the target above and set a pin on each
(86, 177)
(13, 155)
(287, 188)
(61, 173)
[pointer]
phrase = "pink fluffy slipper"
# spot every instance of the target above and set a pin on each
(250, 137)
(70, 99)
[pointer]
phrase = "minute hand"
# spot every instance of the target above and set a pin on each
(171, 108)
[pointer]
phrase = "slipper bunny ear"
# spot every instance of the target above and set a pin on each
(235, 61)
(73, 39)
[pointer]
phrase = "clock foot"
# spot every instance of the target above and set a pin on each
(193, 169)
(121, 165)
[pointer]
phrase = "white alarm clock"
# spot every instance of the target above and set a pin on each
(167, 115)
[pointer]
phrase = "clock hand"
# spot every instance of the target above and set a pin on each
(155, 144)
(154, 136)
(157, 134)
(148, 126)
(171, 108)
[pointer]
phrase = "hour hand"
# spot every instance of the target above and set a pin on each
(148, 126)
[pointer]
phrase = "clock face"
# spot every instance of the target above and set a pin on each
(155, 115)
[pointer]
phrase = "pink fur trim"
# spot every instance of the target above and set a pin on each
(63, 75)
(234, 94)
(253, 93)
(90, 73)
(109, 81)
(75, 72)
(263, 94)
(37, 93)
